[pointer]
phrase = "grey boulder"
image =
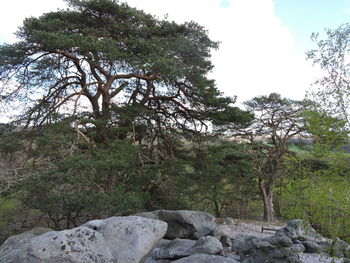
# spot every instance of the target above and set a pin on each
(184, 223)
(311, 247)
(129, 238)
(205, 258)
(175, 249)
(298, 229)
(179, 248)
(14, 245)
(206, 245)
(116, 239)
(298, 248)
(276, 249)
(79, 244)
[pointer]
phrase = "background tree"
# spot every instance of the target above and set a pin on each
(277, 120)
(116, 73)
(112, 66)
(219, 169)
(332, 56)
(110, 94)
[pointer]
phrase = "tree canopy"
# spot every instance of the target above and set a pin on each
(332, 56)
(110, 65)
(277, 121)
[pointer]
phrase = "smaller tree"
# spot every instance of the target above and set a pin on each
(277, 120)
(218, 169)
(82, 180)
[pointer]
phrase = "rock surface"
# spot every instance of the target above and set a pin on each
(184, 223)
(206, 245)
(116, 239)
(130, 238)
(15, 244)
(79, 244)
(205, 258)
(261, 250)
(135, 239)
(175, 249)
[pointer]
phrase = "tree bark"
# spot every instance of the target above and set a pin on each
(267, 196)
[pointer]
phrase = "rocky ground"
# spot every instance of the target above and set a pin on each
(241, 228)
(182, 236)
(317, 258)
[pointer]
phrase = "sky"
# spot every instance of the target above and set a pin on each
(263, 42)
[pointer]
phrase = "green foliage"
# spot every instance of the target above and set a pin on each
(318, 191)
(277, 120)
(100, 59)
(9, 210)
(328, 133)
(14, 218)
(332, 56)
(217, 171)
(81, 180)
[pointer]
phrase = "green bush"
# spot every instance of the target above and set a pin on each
(14, 218)
(322, 200)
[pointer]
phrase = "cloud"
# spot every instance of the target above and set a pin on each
(257, 54)
(13, 13)
(225, 3)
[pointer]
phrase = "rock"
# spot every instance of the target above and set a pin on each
(297, 229)
(259, 250)
(217, 233)
(18, 243)
(338, 248)
(228, 221)
(319, 258)
(150, 260)
(312, 247)
(281, 240)
(151, 215)
(129, 238)
(75, 245)
(179, 248)
(225, 241)
(207, 245)
(204, 258)
(116, 239)
(184, 223)
(176, 249)
(163, 243)
(298, 248)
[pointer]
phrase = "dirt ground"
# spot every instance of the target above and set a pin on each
(250, 228)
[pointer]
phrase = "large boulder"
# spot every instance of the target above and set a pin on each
(75, 245)
(276, 249)
(130, 238)
(175, 249)
(205, 258)
(298, 229)
(116, 239)
(184, 223)
(179, 248)
(206, 245)
(18, 243)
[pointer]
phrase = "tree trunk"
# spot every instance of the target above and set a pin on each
(267, 196)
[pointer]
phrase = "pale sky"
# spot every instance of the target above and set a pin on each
(263, 42)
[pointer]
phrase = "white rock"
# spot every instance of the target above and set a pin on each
(130, 238)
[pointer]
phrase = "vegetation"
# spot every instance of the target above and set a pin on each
(276, 122)
(318, 192)
(332, 56)
(120, 116)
